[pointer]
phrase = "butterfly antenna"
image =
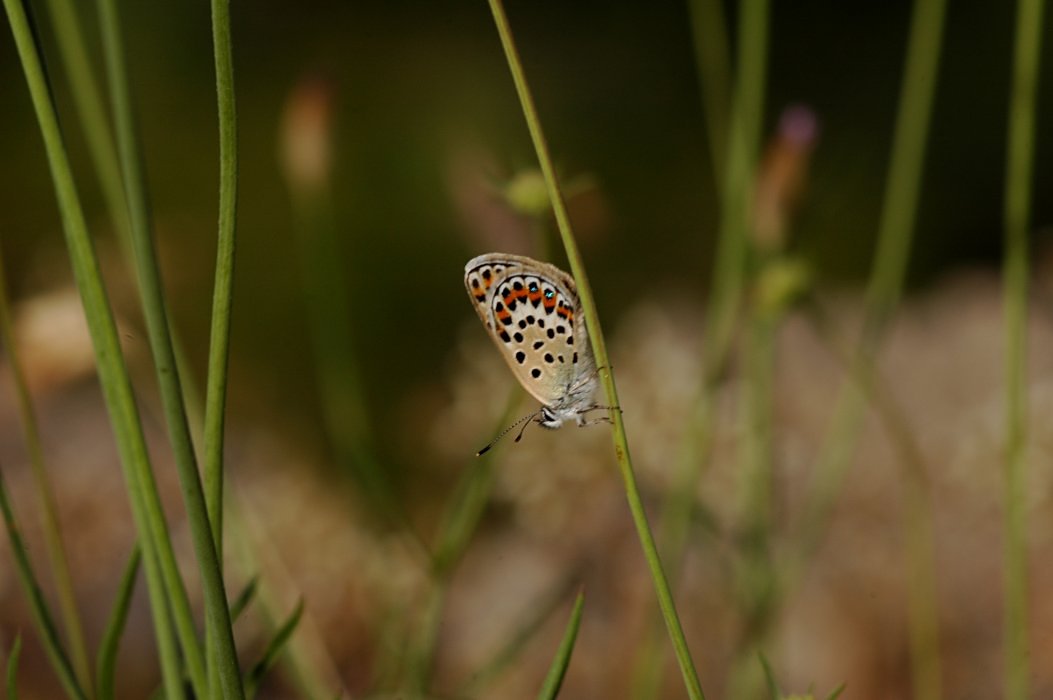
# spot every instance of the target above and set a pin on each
(506, 431)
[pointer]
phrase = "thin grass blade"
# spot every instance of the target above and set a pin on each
(836, 693)
(1020, 156)
(504, 657)
(12, 668)
(769, 678)
(270, 654)
(106, 666)
(56, 547)
(248, 593)
(558, 669)
(38, 605)
(222, 297)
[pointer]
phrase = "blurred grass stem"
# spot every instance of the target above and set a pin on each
(888, 274)
(895, 233)
(57, 556)
(621, 446)
(1019, 167)
(38, 606)
(710, 40)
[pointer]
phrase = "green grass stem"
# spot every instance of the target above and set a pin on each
(222, 297)
(459, 522)
(713, 65)
(558, 670)
(37, 604)
(756, 586)
(592, 321)
(888, 274)
(337, 370)
(274, 649)
(12, 668)
(219, 637)
(90, 106)
(163, 580)
(539, 612)
(1018, 191)
(306, 662)
(106, 666)
(155, 312)
(56, 548)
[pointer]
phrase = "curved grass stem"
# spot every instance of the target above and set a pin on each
(592, 322)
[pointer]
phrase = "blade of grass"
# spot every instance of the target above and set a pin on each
(56, 548)
(505, 656)
(769, 678)
(836, 693)
(106, 666)
(222, 297)
(1020, 154)
(460, 519)
(270, 654)
(244, 598)
(558, 669)
(710, 38)
(163, 580)
(39, 607)
(756, 585)
(599, 349)
(306, 145)
(12, 668)
(307, 662)
(91, 112)
(154, 309)
(219, 336)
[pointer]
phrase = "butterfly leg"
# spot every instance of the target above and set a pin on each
(583, 421)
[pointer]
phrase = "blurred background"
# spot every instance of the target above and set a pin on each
(423, 137)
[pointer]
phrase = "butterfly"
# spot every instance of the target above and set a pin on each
(532, 313)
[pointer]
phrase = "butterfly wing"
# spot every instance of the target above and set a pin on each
(531, 310)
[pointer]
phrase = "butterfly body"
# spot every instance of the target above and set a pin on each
(532, 313)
